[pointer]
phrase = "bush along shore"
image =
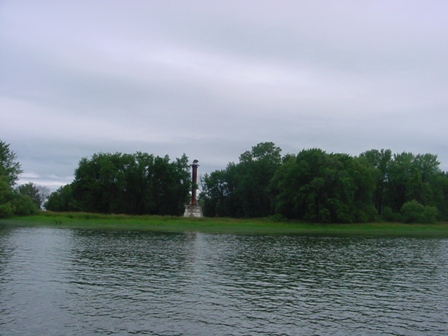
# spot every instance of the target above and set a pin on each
(94, 221)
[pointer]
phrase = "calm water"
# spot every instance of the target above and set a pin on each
(81, 282)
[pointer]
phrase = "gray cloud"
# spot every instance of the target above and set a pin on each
(213, 79)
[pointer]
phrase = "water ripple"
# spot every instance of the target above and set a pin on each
(75, 282)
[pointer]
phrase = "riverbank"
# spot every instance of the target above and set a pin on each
(220, 225)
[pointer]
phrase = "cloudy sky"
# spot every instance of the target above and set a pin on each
(213, 78)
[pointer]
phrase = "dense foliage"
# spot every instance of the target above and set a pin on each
(38, 194)
(327, 187)
(62, 200)
(242, 190)
(10, 168)
(126, 183)
(12, 202)
(323, 187)
(312, 185)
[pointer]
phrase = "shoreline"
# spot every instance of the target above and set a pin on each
(91, 221)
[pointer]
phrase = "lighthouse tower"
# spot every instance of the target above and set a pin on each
(193, 209)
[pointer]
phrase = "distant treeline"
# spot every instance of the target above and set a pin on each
(328, 187)
(126, 184)
(312, 185)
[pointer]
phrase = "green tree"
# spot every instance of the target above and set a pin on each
(404, 177)
(62, 200)
(254, 173)
(38, 194)
(412, 177)
(414, 212)
(132, 183)
(23, 205)
(6, 196)
(242, 189)
(380, 161)
(96, 183)
(11, 202)
(439, 186)
(170, 185)
(323, 187)
(10, 168)
(218, 194)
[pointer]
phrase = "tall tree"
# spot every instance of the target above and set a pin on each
(10, 168)
(218, 196)
(242, 189)
(255, 171)
(439, 187)
(6, 195)
(11, 202)
(62, 200)
(323, 187)
(412, 177)
(380, 161)
(38, 194)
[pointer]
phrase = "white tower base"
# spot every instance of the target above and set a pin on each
(193, 211)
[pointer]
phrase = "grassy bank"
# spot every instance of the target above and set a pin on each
(221, 225)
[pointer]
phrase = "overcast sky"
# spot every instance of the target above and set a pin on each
(211, 79)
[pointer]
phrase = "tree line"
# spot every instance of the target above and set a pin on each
(328, 187)
(119, 183)
(312, 185)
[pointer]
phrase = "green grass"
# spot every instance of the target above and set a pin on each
(221, 225)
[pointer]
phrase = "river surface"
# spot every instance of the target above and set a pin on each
(91, 282)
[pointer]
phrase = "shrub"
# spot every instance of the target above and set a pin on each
(390, 216)
(365, 213)
(414, 212)
(23, 205)
(6, 210)
(430, 214)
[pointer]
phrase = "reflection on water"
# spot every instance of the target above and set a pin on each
(72, 282)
